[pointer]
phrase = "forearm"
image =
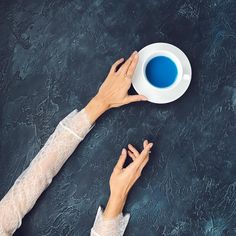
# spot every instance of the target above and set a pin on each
(114, 207)
(34, 180)
(95, 108)
(111, 221)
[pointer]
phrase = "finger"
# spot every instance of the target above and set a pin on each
(145, 143)
(131, 155)
(135, 98)
(143, 155)
(143, 164)
(114, 66)
(133, 150)
(124, 68)
(146, 150)
(122, 159)
(132, 67)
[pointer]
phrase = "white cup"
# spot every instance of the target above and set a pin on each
(173, 58)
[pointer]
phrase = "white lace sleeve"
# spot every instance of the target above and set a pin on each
(33, 181)
(114, 227)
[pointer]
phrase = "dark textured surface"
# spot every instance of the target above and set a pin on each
(53, 57)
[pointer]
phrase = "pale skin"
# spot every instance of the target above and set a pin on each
(122, 179)
(114, 93)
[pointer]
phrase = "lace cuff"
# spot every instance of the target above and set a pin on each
(77, 123)
(115, 227)
(34, 180)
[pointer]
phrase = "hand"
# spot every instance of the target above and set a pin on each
(114, 90)
(122, 179)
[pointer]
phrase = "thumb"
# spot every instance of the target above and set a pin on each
(136, 98)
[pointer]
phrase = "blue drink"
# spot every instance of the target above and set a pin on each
(161, 71)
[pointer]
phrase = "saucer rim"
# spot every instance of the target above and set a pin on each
(161, 95)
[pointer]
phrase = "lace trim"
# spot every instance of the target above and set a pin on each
(114, 227)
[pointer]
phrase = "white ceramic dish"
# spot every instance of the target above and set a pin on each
(175, 90)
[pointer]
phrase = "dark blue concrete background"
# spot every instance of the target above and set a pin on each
(53, 57)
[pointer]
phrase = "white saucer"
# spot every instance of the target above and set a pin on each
(174, 91)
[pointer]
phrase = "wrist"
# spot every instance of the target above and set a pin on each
(100, 102)
(95, 108)
(114, 206)
(118, 197)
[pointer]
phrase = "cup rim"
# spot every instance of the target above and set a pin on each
(172, 57)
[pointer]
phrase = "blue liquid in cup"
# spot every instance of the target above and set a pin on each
(161, 71)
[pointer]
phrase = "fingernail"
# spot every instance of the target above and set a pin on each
(151, 144)
(144, 98)
(123, 151)
(135, 52)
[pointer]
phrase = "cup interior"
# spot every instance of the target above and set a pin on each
(162, 70)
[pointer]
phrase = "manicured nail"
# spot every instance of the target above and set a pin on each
(123, 151)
